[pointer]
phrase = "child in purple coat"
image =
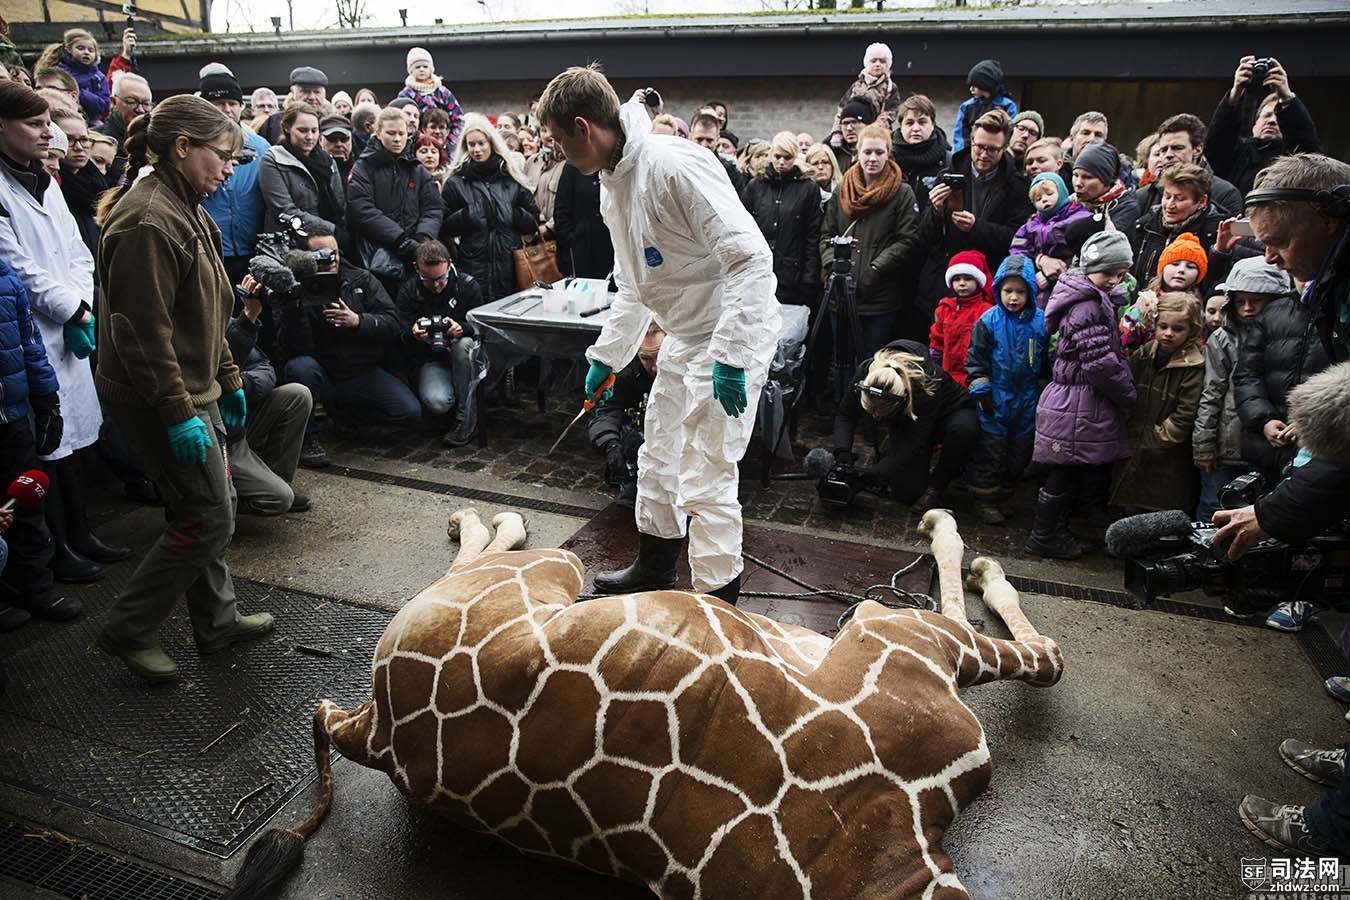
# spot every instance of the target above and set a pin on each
(425, 88)
(78, 55)
(1041, 238)
(1080, 418)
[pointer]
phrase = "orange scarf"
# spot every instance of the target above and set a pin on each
(857, 199)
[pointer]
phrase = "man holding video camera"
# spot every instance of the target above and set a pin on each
(433, 312)
(337, 345)
(978, 203)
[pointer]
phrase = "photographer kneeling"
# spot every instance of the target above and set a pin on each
(433, 306)
(921, 406)
(1311, 500)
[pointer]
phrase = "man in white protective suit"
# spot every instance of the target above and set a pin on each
(687, 252)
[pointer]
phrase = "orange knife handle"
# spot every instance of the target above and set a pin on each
(599, 393)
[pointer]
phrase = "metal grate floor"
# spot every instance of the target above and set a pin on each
(204, 761)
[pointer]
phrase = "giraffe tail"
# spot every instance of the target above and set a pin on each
(278, 853)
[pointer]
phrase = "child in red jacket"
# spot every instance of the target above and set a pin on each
(949, 338)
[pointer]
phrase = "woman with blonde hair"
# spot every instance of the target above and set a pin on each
(488, 207)
(824, 169)
(167, 379)
(921, 407)
(785, 205)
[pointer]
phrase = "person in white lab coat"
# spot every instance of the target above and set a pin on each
(686, 251)
(40, 240)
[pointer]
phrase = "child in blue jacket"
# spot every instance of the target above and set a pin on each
(1005, 369)
(986, 92)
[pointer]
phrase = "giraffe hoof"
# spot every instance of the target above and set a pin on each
(456, 523)
(934, 520)
(983, 570)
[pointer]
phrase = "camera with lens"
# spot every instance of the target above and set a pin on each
(840, 485)
(651, 97)
(843, 254)
(1316, 570)
(1260, 69)
(437, 329)
(277, 244)
(954, 180)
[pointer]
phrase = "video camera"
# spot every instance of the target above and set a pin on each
(290, 272)
(438, 328)
(843, 254)
(1316, 570)
(838, 483)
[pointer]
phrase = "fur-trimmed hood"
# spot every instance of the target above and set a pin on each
(1320, 411)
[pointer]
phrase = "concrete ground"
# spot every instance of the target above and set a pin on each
(1122, 781)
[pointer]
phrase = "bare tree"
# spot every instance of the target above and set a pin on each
(351, 13)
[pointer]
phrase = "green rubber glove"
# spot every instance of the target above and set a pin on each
(233, 409)
(80, 337)
(729, 388)
(189, 441)
(596, 377)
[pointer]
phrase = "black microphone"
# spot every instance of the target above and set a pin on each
(272, 275)
(818, 463)
(302, 264)
(1140, 535)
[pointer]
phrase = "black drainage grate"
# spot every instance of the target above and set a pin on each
(57, 864)
(433, 487)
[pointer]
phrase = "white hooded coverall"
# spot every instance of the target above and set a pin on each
(687, 251)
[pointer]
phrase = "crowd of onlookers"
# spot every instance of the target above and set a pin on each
(993, 293)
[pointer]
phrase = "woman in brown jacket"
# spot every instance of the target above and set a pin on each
(167, 379)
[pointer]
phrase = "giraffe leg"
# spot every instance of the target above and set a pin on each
(986, 576)
(940, 528)
(1034, 657)
(473, 536)
(511, 532)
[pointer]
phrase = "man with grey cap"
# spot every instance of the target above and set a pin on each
(308, 85)
(336, 134)
(237, 205)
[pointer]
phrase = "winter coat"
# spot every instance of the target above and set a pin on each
(1307, 503)
(489, 217)
(237, 206)
(949, 338)
(41, 242)
(1331, 296)
(439, 98)
(1238, 157)
(1080, 418)
(1044, 235)
(288, 188)
(906, 437)
(585, 249)
(972, 109)
(882, 95)
(1161, 473)
(24, 369)
(414, 301)
(345, 353)
(167, 302)
(390, 198)
(1007, 359)
(95, 99)
(1218, 430)
(82, 188)
(1280, 350)
(1000, 206)
(1150, 236)
(887, 239)
(786, 207)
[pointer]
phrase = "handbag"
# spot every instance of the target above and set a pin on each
(536, 262)
(379, 260)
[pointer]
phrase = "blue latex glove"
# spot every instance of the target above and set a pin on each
(189, 441)
(80, 337)
(233, 409)
(729, 388)
(596, 377)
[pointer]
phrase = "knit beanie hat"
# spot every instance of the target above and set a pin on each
(419, 55)
(1106, 251)
(218, 83)
(1033, 116)
(858, 108)
(1185, 247)
(1061, 191)
(877, 50)
(341, 96)
(987, 75)
(1100, 161)
(972, 263)
(58, 141)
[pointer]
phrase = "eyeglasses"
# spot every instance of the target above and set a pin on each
(243, 157)
(80, 141)
(437, 279)
(1026, 129)
(135, 104)
(985, 149)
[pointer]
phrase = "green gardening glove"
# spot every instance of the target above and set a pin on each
(595, 378)
(233, 409)
(79, 337)
(189, 441)
(729, 388)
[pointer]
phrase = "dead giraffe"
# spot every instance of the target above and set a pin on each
(675, 741)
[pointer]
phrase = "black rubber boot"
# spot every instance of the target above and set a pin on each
(1048, 538)
(68, 564)
(653, 570)
(729, 592)
(82, 540)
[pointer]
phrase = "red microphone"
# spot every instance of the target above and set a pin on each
(27, 490)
